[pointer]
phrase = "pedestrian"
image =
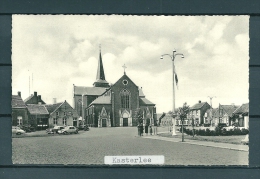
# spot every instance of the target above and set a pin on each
(141, 129)
(146, 129)
(151, 130)
(155, 128)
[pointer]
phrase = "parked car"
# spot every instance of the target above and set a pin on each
(245, 141)
(17, 130)
(57, 128)
(49, 131)
(68, 130)
(27, 128)
(83, 127)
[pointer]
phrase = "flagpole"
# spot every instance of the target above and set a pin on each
(173, 73)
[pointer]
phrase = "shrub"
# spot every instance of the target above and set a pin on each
(217, 130)
(207, 132)
(237, 131)
(244, 131)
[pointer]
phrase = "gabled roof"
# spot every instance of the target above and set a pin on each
(52, 107)
(144, 101)
(244, 108)
(198, 106)
(28, 98)
(102, 100)
(17, 102)
(229, 109)
(81, 90)
(37, 109)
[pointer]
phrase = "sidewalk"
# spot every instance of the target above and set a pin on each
(202, 143)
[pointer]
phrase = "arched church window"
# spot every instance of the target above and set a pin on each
(125, 99)
(79, 107)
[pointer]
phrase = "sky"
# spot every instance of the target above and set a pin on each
(50, 53)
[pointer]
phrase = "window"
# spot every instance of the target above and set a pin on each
(64, 113)
(19, 120)
(64, 121)
(125, 99)
(55, 121)
(57, 113)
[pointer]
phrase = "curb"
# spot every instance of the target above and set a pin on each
(191, 143)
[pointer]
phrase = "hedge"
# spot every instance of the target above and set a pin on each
(217, 132)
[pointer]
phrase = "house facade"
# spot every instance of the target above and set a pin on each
(38, 116)
(197, 113)
(34, 99)
(241, 116)
(62, 114)
(19, 111)
(224, 114)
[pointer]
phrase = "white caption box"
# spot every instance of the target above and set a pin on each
(135, 160)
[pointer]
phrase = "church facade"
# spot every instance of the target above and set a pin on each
(105, 105)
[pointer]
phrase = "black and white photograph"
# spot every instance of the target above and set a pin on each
(130, 90)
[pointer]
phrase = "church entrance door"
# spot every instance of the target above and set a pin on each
(125, 121)
(104, 122)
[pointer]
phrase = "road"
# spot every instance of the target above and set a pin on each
(90, 148)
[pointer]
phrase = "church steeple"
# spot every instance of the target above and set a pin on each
(100, 79)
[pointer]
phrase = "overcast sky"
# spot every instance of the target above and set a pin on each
(62, 50)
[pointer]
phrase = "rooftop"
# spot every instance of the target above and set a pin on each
(37, 109)
(17, 102)
(96, 91)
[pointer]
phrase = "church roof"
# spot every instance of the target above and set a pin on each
(144, 101)
(100, 79)
(96, 91)
(17, 102)
(102, 100)
(37, 109)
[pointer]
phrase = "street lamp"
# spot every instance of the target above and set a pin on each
(82, 100)
(174, 54)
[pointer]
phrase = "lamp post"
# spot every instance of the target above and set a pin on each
(83, 108)
(174, 54)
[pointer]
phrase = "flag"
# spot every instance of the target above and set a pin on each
(176, 77)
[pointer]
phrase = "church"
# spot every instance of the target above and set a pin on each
(112, 105)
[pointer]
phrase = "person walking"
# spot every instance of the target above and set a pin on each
(151, 130)
(155, 128)
(146, 129)
(141, 129)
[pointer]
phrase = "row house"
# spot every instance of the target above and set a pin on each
(62, 114)
(197, 113)
(35, 112)
(224, 115)
(19, 111)
(241, 116)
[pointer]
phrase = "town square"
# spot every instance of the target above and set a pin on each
(88, 87)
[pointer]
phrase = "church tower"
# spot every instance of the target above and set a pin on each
(100, 79)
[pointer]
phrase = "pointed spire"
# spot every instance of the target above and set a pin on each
(100, 79)
(100, 70)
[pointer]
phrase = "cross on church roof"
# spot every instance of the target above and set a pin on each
(124, 68)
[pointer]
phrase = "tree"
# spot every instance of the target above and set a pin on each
(139, 116)
(182, 113)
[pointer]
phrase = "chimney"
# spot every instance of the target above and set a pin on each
(39, 98)
(35, 93)
(54, 100)
(199, 101)
(19, 93)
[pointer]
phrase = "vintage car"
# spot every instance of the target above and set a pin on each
(68, 130)
(17, 130)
